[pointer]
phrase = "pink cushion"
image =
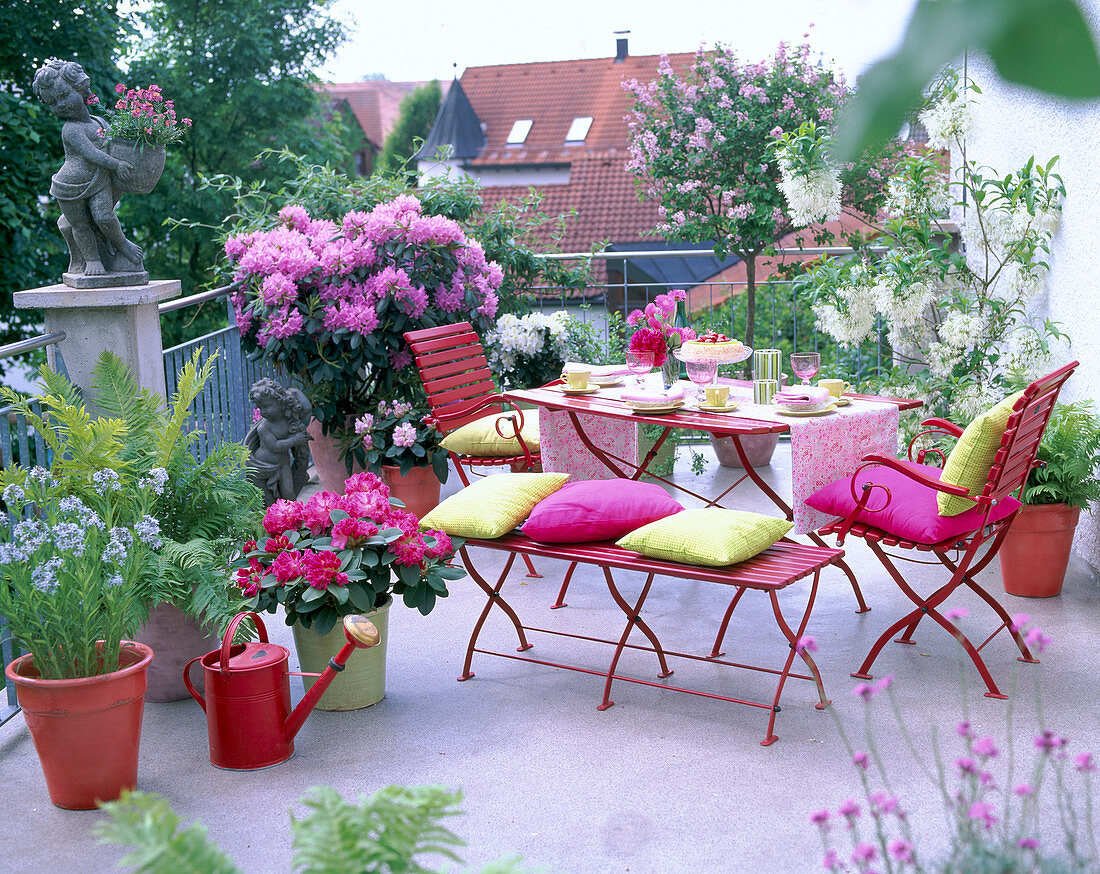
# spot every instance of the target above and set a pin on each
(912, 513)
(598, 510)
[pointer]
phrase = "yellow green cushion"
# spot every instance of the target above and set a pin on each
(710, 536)
(494, 505)
(480, 438)
(969, 462)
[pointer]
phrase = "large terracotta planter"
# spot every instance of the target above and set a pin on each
(332, 473)
(1035, 552)
(86, 731)
(758, 449)
(176, 637)
(363, 680)
(418, 489)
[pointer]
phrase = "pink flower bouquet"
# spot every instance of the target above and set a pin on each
(143, 115)
(340, 554)
(656, 332)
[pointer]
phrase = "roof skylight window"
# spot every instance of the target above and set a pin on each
(519, 132)
(578, 130)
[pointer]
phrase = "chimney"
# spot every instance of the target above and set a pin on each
(620, 46)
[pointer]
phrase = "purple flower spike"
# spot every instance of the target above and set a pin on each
(849, 809)
(861, 760)
(901, 850)
(956, 613)
(820, 818)
(807, 642)
(983, 810)
(963, 729)
(1084, 763)
(866, 691)
(1019, 620)
(1024, 790)
(1037, 639)
(1028, 843)
(831, 860)
(984, 746)
(863, 853)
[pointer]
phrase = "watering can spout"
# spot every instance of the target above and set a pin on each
(361, 634)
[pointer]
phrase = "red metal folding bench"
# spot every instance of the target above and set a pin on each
(772, 570)
(1014, 459)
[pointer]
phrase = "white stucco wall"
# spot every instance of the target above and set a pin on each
(1012, 124)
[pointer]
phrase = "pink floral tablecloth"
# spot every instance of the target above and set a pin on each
(823, 448)
(827, 448)
(563, 452)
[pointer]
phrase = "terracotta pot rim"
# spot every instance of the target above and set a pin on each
(142, 652)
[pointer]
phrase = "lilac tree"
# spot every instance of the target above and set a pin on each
(701, 145)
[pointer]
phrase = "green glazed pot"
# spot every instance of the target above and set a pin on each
(363, 681)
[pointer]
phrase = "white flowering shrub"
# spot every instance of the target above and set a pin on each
(954, 320)
(527, 351)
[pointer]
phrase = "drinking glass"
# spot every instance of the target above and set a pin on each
(702, 373)
(805, 365)
(639, 364)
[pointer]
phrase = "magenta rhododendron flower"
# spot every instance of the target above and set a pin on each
(282, 516)
(322, 569)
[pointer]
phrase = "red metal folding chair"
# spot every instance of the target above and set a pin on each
(460, 390)
(1013, 461)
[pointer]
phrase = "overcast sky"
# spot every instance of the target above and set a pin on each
(423, 40)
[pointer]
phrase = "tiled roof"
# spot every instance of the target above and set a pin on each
(552, 94)
(375, 104)
(456, 126)
(604, 196)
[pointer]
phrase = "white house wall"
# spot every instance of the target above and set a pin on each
(1012, 124)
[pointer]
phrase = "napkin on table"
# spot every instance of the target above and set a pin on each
(652, 396)
(801, 394)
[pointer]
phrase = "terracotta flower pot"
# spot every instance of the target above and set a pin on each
(1035, 552)
(86, 731)
(363, 680)
(331, 470)
(418, 489)
(176, 637)
(758, 449)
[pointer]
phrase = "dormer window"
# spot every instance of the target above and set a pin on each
(578, 130)
(519, 132)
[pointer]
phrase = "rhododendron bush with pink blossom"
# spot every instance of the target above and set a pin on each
(335, 555)
(329, 302)
(700, 141)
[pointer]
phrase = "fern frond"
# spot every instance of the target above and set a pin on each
(190, 381)
(145, 821)
(119, 396)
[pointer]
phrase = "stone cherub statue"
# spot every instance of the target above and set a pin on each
(279, 463)
(88, 184)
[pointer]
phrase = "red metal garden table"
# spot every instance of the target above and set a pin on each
(606, 405)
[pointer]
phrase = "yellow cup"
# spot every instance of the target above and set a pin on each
(836, 387)
(577, 379)
(717, 395)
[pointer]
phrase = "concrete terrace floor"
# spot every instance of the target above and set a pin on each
(659, 782)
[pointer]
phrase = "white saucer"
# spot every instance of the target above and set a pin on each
(606, 383)
(842, 402)
(802, 413)
(587, 390)
(710, 408)
(675, 405)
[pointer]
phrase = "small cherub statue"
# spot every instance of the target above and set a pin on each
(278, 442)
(86, 187)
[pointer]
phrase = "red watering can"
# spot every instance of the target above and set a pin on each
(247, 701)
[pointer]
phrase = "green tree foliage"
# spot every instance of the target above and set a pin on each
(1042, 44)
(418, 112)
(242, 70)
(30, 137)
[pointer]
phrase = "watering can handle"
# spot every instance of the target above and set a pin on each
(190, 687)
(230, 632)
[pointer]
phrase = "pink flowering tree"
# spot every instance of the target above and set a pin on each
(336, 555)
(701, 142)
(329, 302)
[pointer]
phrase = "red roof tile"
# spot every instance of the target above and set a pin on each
(375, 104)
(552, 94)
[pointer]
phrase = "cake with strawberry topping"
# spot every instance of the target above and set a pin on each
(713, 346)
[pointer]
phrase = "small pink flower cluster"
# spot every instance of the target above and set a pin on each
(144, 115)
(656, 332)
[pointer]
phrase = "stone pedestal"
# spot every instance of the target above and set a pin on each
(124, 320)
